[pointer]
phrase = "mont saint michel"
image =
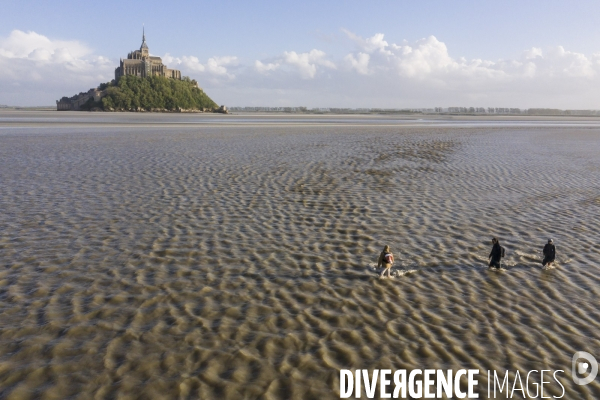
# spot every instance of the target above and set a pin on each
(142, 83)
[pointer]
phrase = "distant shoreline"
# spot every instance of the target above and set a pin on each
(318, 114)
(14, 119)
(35, 108)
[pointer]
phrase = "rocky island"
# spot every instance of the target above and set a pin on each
(143, 83)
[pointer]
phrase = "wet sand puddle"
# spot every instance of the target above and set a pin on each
(236, 262)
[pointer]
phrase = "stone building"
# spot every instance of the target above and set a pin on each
(141, 63)
(74, 103)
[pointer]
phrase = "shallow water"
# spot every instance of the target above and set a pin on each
(207, 261)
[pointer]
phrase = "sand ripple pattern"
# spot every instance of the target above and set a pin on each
(235, 262)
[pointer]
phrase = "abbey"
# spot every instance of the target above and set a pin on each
(141, 63)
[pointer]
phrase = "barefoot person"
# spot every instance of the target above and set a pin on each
(386, 259)
(549, 253)
(495, 254)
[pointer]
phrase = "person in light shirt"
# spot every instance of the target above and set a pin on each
(386, 260)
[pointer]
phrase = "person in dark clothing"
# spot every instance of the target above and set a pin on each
(549, 253)
(495, 254)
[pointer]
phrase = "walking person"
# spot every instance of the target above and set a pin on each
(549, 253)
(386, 260)
(496, 254)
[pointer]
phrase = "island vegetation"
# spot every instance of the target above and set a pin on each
(153, 93)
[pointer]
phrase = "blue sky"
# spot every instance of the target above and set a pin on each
(316, 54)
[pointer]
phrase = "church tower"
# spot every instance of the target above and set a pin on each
(146, 63)
(144, 48)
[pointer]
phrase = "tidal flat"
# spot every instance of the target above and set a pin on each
(231, 257)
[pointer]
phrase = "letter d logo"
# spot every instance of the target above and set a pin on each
(579, 368)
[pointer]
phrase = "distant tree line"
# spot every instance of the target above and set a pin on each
(152, 93)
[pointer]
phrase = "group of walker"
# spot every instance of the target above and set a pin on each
(386, 258)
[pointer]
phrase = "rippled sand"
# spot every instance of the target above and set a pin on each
(151, 260)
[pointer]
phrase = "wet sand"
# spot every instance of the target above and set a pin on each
(230, 257)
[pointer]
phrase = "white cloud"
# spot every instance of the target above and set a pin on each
(306, 63)
(215, 66)
(45, 55)
(170, 60)
(429, 61)
(369, 45)
(263, 68)
(360, 62)
(570, 64)
(189, 62)
(31, 45)
(426, 57)
(533, 53)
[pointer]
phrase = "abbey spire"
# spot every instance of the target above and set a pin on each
(144, 45)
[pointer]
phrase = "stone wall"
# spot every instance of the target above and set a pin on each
(74, 103)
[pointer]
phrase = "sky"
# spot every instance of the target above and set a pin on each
(337, 53)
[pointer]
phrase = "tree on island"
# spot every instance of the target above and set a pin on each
(152, 93)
